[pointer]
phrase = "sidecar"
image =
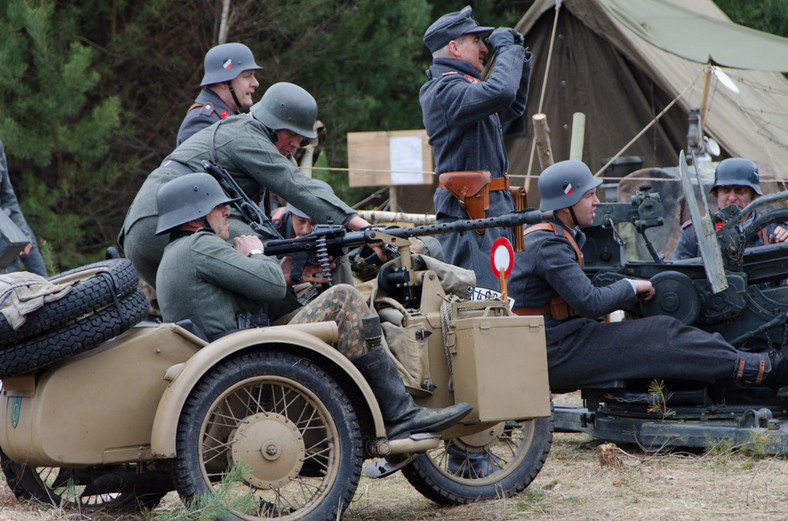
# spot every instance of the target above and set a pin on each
(274, 415)
(738, 292)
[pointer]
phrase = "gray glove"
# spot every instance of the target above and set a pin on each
(501, 38)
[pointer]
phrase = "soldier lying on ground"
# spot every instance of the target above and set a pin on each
(204, 279)
(582, 351)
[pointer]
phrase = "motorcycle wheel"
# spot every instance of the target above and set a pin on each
(282, 430)
(512, 453)
(70, 489)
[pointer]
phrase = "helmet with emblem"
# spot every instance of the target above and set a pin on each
(563, 184)
(736, 171)
(226, 61)
(187, 198)
(287, 106)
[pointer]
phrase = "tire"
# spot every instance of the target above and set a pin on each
(269, 401)
(90, 294)
(519, 449)
(87, 332)
(72, 488)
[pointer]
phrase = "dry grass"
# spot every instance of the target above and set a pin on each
(573, 485)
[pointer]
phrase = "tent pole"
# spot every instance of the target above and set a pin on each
(542, 94)
(705, 98)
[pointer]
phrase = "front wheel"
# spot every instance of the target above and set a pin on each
(499, 462)
(281, 427)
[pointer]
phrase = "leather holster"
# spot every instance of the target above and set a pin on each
(471, 189)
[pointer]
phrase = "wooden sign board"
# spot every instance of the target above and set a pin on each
(399, 157)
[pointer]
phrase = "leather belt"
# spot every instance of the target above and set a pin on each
(497, 184)
(539, 310)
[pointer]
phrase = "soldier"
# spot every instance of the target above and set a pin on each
(463, 117)
(254, 149)
(31, 255)
(227, 87)
(582, 351)
(736, 181)
(291, 222)
(204, 279)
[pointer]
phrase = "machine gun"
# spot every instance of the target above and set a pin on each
(330, 241)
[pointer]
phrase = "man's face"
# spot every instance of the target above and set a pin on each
(471, 49)
(218, 219)
(739, 195)
(287, 141)
(586, 207)
(301, 226)
(244, 86)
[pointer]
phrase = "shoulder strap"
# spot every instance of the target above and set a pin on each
(554, 228)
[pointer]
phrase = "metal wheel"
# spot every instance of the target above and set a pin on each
(85, 490)
(283, 425)
(499, 462)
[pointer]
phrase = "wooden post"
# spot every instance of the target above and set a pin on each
(578, 136)
(542, 138)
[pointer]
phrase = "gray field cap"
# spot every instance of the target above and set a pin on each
(450, 27)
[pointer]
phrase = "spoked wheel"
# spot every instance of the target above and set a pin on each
(79, 489)
(499, 462)
(280, 423)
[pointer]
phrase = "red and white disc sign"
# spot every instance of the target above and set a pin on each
(502, 257)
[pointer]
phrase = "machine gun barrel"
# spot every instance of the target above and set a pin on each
(336, 238)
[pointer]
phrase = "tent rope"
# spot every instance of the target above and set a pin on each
(544, 89)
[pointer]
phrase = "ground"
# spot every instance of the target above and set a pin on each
(717, 484)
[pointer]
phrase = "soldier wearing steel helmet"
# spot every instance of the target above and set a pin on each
(254, 149)
(228, 84)
(583, 351)
(736, 181)
(206, 280)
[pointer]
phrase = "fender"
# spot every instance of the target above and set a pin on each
(314, 337)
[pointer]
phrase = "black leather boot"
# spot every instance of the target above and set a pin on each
(400, 412)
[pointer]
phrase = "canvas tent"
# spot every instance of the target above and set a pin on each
(621, 62)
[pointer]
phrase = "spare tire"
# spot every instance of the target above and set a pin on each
(103, 281)
(73, 338)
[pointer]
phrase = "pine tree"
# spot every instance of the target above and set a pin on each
(56, 129)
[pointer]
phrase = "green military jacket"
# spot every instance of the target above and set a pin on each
(245, 147)
(203, 278)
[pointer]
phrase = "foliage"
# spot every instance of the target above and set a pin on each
(93, 92)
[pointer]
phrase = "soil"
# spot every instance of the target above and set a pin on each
(720, 483)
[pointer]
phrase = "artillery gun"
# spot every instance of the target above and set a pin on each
(733, 290)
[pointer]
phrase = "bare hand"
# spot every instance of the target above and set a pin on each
(356, 223)
(27, 250)
(780, 234)
(644, 289)
(244, 244)
(309, 274)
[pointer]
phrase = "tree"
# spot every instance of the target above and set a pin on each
(56, 128)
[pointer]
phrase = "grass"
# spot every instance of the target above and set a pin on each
(723, 482)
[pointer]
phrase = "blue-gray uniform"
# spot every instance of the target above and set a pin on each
(582, 351)
(463, 116)
(211, 109)
(687, 245)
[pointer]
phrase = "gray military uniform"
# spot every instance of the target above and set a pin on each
(244, 147)
(213, 109)
(204, 279)
(687, 245)
(582, 351)
(463, 117)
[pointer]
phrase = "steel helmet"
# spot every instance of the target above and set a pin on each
(226, 61)
(563, 184)
(187, 198)
(287, 106)
(736, 171)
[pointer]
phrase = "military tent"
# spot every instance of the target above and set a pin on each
(622, 62)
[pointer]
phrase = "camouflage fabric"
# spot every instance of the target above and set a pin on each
(345, 306)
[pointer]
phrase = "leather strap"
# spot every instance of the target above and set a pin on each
(567, 235)
(538, 310)
(499, 183)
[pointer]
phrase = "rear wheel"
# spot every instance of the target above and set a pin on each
(499, 462)
(280, 424)
(85, 490)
